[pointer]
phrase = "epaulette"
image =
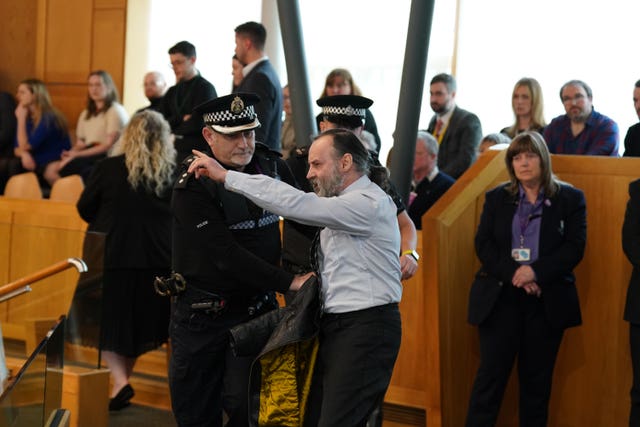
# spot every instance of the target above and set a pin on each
(184, 176)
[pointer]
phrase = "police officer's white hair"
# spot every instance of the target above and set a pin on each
(429, 142)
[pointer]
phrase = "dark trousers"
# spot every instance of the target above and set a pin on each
(205, 378)
(81, 166)
(517, 326)
(355, 361)
(634, 340)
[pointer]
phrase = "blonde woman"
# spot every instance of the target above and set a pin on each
(527, 105)
(42, 132)
(127, 197)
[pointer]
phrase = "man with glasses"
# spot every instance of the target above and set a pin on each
(582, 130)
(191, 89)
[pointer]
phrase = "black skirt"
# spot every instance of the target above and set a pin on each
(135, 319)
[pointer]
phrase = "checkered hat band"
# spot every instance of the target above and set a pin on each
(226, 117)
(343, 111)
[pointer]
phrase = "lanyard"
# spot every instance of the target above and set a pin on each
(536, 212)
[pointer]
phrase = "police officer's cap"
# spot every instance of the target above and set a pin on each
(344, 105)
(231, 113)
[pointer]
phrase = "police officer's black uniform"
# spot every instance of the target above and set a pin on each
(227, 249)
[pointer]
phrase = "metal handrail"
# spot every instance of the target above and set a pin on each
(20, 286)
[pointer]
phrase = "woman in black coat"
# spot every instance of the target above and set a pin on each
(531, 236)
(127, 197)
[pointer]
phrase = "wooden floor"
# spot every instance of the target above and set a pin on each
(149, 381)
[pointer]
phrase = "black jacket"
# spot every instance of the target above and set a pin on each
(459, 146)
(563, 234)
(222, 242)
(285, 341)
(427, 194)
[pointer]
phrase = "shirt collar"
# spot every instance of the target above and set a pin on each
(447, 116)
(250, 66)
(523, 196)
(358, 184)
(433, 174)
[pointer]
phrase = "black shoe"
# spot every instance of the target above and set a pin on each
(121, 400)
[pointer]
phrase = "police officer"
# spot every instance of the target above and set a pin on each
(226, 251)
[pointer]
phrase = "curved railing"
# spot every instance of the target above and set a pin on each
(20, 286)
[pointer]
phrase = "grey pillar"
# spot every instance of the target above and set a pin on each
(304, 122)
(411, 89)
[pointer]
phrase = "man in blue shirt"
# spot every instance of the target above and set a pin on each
(582, 130)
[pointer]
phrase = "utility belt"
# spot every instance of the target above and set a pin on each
(210, 302)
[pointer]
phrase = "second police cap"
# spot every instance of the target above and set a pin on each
(231, 113)
(344, 105)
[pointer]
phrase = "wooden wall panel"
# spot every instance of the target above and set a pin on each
(17, 42)
(409, 377)
(68, 41)
(5, 242)
(110, 4)
(71, 99)
(107, 52)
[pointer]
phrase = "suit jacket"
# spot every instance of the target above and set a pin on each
(427, 193)
(631, 247)
(632, 141)
(459, 146)
(263, 81)
(563, 234)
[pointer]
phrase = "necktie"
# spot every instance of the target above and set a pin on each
(438, 129)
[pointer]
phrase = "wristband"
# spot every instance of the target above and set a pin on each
(412, 253)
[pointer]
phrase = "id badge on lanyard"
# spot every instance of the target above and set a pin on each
(523, 254)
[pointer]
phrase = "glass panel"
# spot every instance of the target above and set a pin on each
(83, 327)
(33, 242)
(36, 389)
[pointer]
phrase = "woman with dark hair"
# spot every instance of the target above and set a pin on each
(531, 236)
(527, 105)
(41, 134)
(127, 197)
(98, 128)
(340, 82)
(236, 72)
